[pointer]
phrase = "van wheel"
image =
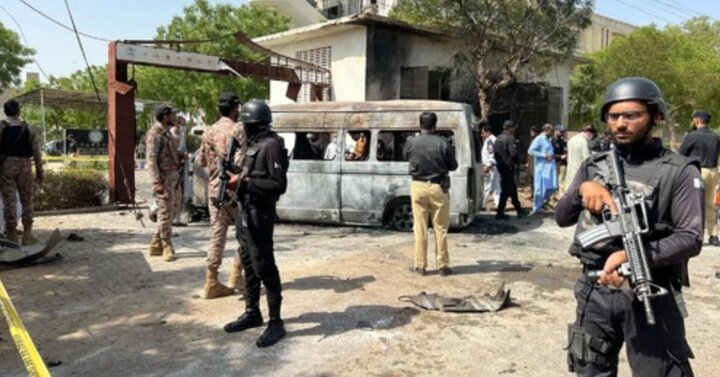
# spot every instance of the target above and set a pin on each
(401, 218)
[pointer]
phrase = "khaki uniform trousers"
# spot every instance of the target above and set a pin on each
(220, 220)
(429, 199)
(710, 177)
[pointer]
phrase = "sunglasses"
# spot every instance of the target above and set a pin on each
(627, 115)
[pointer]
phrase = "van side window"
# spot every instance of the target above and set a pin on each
(357, 145)
(390, 144)
(307, 145)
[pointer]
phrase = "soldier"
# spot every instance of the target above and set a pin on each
(703, 145)
(18, 145)
(262, 181)
(163, 161)
(609, 314)
(179, 131)
(213, 151)
(506, 158)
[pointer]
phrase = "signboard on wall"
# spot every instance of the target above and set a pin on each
(86, 142)
(132, 53)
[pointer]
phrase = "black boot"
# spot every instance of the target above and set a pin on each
(251, 318)
(714, 241)
(274, 332)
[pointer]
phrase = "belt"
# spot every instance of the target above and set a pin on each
(435, 180)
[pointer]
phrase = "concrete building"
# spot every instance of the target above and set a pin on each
(602, 32)
(372, 57)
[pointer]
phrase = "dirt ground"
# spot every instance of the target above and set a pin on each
(108, 309)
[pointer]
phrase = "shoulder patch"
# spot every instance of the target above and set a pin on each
(698, 183)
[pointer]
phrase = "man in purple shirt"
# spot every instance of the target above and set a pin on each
(608, 312)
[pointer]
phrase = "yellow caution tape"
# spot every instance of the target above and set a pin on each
(31, 358)
(81, 158)
(77, 158)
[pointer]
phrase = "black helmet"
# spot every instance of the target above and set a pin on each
(228, 99)
(255, 112)
(634, 88)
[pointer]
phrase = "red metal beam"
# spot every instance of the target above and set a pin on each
(121, 128)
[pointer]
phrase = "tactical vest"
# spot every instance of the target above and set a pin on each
(249, 167)
(653, 176)
(16, 141)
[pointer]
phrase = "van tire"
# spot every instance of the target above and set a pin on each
(399, 215)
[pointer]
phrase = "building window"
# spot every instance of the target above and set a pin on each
(424, 83)
(414, 82)
(439, 84)
(321, 57)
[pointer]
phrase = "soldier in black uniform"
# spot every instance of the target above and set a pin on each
(703, 145)
(263, 180)
(608, 313)
(506, 158)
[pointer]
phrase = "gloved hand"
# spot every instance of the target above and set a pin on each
(595, 197)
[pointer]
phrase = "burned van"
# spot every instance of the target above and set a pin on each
(347, 165)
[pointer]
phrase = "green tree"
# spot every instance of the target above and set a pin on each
(503, 40)
(197, 93)
(683, 60)
(13, 57)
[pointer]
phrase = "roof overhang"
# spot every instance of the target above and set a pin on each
(50, 97)
(362, 20)
(336, 26)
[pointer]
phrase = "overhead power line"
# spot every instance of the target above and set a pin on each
(645, 12)
(22, 33)
(62, 25)
(684, 9)
(82, 49)
(684, 6)
(663, 8)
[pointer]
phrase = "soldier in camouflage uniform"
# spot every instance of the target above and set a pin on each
(178, 131)
(163, 161)
(213, 151)
(18, 145)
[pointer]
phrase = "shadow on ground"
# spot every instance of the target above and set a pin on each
(363, 317)
(492, 266)
(335, 283)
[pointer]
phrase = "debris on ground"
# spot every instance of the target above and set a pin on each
(74, 237)
(492, 227)
(474, 304)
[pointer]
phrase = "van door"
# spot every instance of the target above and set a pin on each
(313, 192)
(375, 179)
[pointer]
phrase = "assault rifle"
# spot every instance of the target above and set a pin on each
(226, 166)
(630, 224)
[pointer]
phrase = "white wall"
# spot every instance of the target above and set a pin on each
(348, 63)
(559, 76)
